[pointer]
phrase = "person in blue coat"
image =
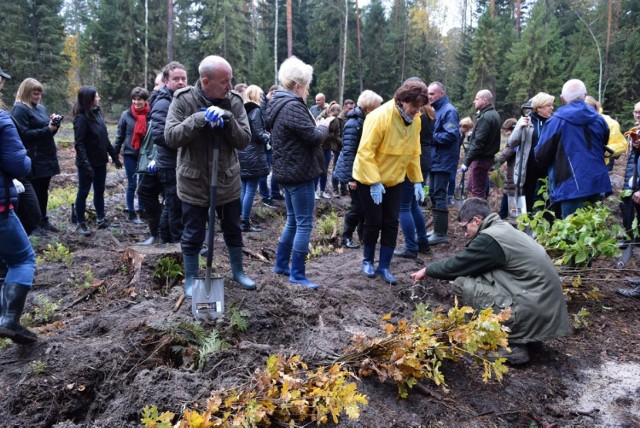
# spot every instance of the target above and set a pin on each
(445, 155)
(571, 146)
(16, 251)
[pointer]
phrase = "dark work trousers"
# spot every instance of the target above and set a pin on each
(41, 187)
(354, 218)
(28, 209)
(478, 171)
(195, 225)
(380, 220)
(439, 181)
(167, 222)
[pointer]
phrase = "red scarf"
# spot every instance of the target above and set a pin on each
(139, 131)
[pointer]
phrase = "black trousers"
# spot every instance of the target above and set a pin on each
(166, 221)
(354, 218)
(195, 225)
(380, 220)
(41, 187)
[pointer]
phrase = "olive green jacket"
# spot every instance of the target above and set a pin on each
(505, 268)
(187, 131)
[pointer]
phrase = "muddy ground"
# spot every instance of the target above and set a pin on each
(105, 352)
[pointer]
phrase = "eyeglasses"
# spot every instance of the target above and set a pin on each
(464, 226)
(637, 113)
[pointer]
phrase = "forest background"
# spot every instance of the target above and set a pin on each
(515, 48)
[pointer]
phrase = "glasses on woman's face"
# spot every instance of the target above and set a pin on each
(636, 112)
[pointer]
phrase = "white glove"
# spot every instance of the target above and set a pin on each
(19, 186)
(151, 167)
(463, 168)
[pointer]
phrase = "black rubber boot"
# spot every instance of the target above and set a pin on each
(630, 292)
(440, 227)
(13, 297)
(247, 226)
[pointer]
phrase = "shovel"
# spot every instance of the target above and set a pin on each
(517, 202)
(208, 294)
(460, 196)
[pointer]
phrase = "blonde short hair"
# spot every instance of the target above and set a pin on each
(253, 94)
(293, 71)
(466, 123)
(541, 99)
(26, 89)
(368, 100)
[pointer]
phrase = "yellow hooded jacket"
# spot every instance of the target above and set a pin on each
(389, 150)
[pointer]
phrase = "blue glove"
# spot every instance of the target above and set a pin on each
(377, 190)
(213, 116)
(418, 191)
(152, 166)
(464, 168)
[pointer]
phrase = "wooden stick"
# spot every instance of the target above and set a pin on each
(179, 302)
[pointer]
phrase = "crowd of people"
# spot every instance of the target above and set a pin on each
(382, 155)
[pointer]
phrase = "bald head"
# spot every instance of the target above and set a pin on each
(216, 75)
(483, 98)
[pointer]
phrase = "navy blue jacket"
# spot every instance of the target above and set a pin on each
(351, 134)
(166, 156)
(571, 146)
(445, 151)
(296, 140)
(14, 162)
(38, 139)
(253, 158)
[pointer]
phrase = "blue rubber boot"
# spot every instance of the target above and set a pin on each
(282, 259)
(190, 272)
(235, 258)
(368, 252)
(297, 275)
(386, 253)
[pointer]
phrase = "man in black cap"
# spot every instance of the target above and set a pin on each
(3, 76)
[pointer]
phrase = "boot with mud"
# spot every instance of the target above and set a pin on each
(386, 253)
(12, 298)
(235, 258)
(368, 252)
(440, 227)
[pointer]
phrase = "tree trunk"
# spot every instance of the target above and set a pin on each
(275, 46)
(344, 52)
(518, 18)
(360, 72)
(289, 29)
(146, 43)
(169, 30)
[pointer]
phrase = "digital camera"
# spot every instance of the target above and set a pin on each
(56, 120)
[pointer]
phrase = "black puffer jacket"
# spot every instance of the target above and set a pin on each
(253, 158)
(297, 155)
(37, 138)
(166, 156)
(351, 134)
(426, 141)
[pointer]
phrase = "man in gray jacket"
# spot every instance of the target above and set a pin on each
(501, 268)
(198, 117)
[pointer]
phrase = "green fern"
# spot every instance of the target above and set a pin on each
(210, 346)
(239, 319)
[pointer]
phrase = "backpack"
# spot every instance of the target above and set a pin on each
(147, 152)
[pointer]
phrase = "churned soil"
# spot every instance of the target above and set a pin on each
(101, 357)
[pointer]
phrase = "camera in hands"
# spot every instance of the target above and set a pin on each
(56, 120)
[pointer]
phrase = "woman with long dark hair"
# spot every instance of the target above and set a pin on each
(93, 149)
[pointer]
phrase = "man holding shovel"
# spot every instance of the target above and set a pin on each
(203, 119)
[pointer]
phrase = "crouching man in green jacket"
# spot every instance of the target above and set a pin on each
(502, 268)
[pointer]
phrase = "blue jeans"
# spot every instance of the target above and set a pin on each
(16, 251)
(323, 178)
(263, 188)
(130, 164)
(438, 189)
(84, 185)
(249, 189)
(411, 218)
(570, 206)
(300, 202)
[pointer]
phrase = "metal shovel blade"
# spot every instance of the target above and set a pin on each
(517, 206)
(207, 299)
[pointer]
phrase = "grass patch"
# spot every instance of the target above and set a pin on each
(62, 196)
